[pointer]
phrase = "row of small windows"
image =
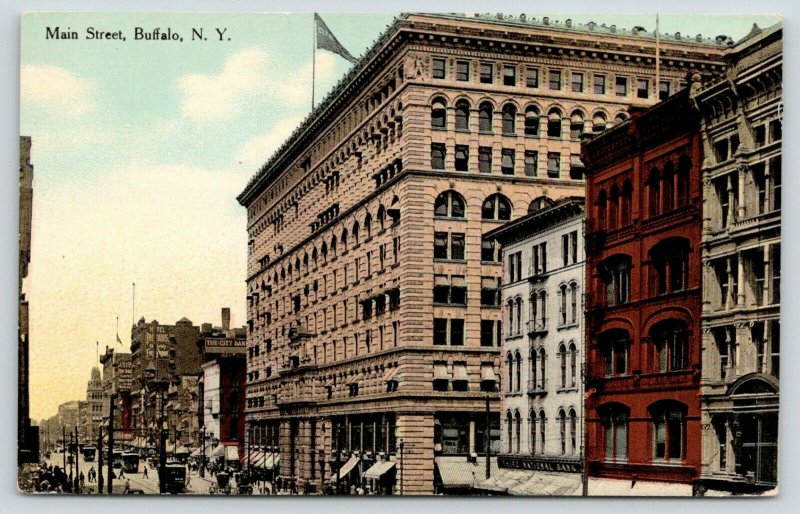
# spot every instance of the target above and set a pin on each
(537, 432)
(555, 79)
(537, 364)
(450, 204)
(532, 119)
(668, 422)
(669, 347)
(508, 159)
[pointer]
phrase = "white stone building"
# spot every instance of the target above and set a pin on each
(542, 343)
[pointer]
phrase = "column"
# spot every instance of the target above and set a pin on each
(739, 279)
(415, 463)
(741, 211)
(731, 202)
(766, 300)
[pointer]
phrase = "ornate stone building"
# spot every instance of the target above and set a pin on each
(94, 410)
(117, 382)
(742, 120)
(372, 356)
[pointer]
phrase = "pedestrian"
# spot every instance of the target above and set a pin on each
(121, 473)
(82, 478)
(127, 486)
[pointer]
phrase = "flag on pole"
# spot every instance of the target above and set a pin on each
(118, 339)
(327, 41)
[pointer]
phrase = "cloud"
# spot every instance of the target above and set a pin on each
(212, 97)
(56, 89)
(297, 92)
(257, 150)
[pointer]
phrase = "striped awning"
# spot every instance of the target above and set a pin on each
(346, 468)
(379, 469)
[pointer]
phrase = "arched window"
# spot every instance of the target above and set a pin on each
(518, 373)
(619, 118)
(667, 189)
(669, 266)
(575, 124)
(539, 203)
(324, 252)
(615, 272)
(562, 426)
(510, 365)
(613, 208)
(368, 225)
(654, 192)
(542, 309)
(669, 430)
(542, 368)
(518, 316)
(314, 258)
(356, 231)
(381, 218)
(573, 365)
(531, 121)
(542, 434)
(496, 207)
(684, 170)
(305, 263)
(562, 357)
(511, 316)
(439, 113)
(333, 246)
(615, 347)
(598, 122)
(554, 124)
(462, 115)
(532, 429)
(485, 115)
(573, 432)
(344, 240)
(449, 204)
(509, 119)
(614, 419)
(671, 343)
(534, 366)
(602, 208)
(289, 272)
(625, 203)
(573, 294)
(518, 430)
(510, 431)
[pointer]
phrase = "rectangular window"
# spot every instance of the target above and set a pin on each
(554, 80)
(462, 71)
(457, 243)
(532, 77)
(438, 153)
(599, 84)
(531, 163)
(622, 86)
(565, 249)
(507, 163)
(485, 159)
(438, 68)
(760, 135)
(509, 75)
(458, 290)
(487, 73)
(577, 82)
(440, 243)
(456, 332)
(440, 331)
(664, 90)
(462, 158)
(448, 246)
(441, 289)
(643, 88)
(489, 251)
(490, 291)
(553, 165)
(775, 130)
(490, 332)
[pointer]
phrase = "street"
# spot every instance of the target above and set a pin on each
(138, 481)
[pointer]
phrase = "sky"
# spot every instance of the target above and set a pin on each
(140, 149)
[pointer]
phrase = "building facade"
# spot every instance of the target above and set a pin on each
(27, 435)
(643, 273)
(117, 383)
(365, 248)
(542, 350)
(224, 355)
(94, 399)
(742, 122)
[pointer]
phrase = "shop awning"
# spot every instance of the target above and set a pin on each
(612, 487)
(182, 450)
(458, 472)
(346, 468)
(524, 482)
(254, 457)
(219, 451)
(232, 452)
(271, 460)
(379, 469)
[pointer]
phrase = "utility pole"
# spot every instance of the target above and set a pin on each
(71, 463)
(203, 452)
(487, 438)
(162, 448)
(111, 443)
(77, 462)
(100, 461)
(339, 460)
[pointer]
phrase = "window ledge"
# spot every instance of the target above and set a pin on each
(449, 218)
(455, 261)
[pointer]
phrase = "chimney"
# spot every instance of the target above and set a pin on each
(226, 318)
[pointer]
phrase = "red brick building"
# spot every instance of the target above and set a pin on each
(643, 274)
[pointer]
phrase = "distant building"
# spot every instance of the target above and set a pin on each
(182, 406)
(94, 398)
(27, 435)
(542, 349)
(643, 301)
(117, 381)
(742, 119)
(223, 351)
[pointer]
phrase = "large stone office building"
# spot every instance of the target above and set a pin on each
(372, 354)
(742, 122)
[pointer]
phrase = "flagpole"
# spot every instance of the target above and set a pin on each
(133, 306)
(314, 62)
